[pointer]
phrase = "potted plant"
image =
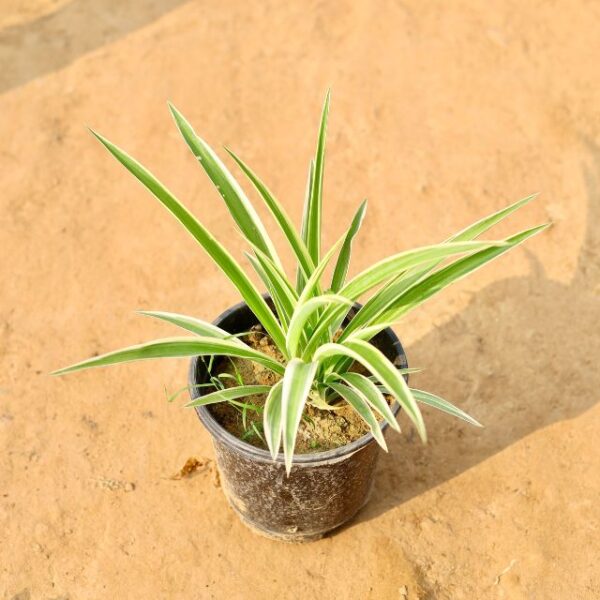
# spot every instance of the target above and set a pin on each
(303, 369)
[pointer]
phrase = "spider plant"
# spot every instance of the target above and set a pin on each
(309, 309)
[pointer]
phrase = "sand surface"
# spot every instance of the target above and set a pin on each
(438, 117)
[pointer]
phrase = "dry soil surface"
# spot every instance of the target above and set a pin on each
(440, 114)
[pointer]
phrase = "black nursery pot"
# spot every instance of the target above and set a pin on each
(323, 491)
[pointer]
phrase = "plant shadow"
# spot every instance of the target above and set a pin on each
(53, 41)
(519, 357)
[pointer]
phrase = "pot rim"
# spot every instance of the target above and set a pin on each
(220, 433)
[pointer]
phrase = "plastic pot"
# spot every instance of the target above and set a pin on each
(323, 491)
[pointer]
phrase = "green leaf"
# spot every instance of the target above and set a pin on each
(359, 403)
(390, 267)
(366, 333)
(312, 285)
(215, 250)
(406, 371)
(282, 293)
(276, 273)
(238, 204)
(343, 261)
(300, 276)
(303, 313)
(382, 270)
(329, 322)
(438, 280)
(376, 362)
(443, 405)
(229, 394)
(481, 226)
(272, 419)
(298, 246)
(282, 313)
(396, 287)
(187, 388)
(313, 232)
(175, 347)
(382, 299)
(297, 381)
(192, 324)
(372, 394)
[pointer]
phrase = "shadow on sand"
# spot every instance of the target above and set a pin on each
(52, 41)
(520, 357)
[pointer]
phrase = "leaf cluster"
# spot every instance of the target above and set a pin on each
(308, 309)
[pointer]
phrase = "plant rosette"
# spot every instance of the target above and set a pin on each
(304, 352)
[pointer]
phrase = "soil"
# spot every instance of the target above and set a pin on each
(441, 113)
(319, 430)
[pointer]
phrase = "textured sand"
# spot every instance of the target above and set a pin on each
(438, 117)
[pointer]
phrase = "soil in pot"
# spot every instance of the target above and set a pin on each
(319, 430)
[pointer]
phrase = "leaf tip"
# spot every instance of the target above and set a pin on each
(527, 199)
(288, 465)
(381, 441)
(177, 116)
(61, 371)
(236, 158)
(98, 136)
(395, 425)
(537, 230)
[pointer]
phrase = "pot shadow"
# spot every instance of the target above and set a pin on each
(53, 41)
(519, 357)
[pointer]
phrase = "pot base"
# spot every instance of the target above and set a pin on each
(293, 536)
(290, 538)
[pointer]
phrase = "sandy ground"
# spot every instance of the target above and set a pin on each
(438, 117)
